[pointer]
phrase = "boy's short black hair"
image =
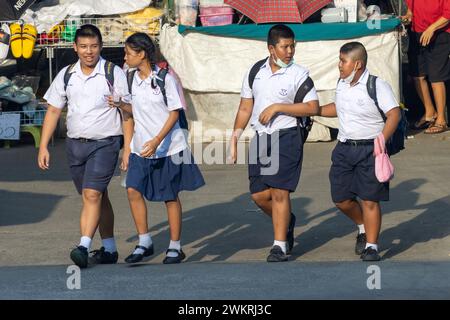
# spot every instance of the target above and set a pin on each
(277, 32)
(88, 30)
(357, 51)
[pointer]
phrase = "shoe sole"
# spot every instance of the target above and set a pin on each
(270, 259)
(79, 259)
(371, 258)
(174, 261)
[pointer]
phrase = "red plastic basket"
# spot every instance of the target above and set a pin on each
(216, 15)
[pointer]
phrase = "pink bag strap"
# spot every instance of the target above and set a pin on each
(379, 145)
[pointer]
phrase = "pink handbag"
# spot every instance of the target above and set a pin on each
(384, 169)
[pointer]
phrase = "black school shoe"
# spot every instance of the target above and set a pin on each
(290, 234)
(277, 255)
(370, 254)
(101, 256)
(137, 257)
(360, 243)
(170, 260)
(79, 256)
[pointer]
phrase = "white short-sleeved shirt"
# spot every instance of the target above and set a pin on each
(150, 113)
(278, 87)
(359, 117)
(88, 113)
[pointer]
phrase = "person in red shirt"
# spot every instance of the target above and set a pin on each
(429, 50)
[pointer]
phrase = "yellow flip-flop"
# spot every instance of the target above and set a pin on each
(16, 40)
(29, 34)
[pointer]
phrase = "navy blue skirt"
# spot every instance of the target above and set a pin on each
(162, 179)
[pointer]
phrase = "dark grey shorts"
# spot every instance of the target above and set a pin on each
(352, 174)
(92, 163)
(275, 160)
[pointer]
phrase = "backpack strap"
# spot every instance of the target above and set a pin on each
(109, 72)
(372, 90)
(305, 87)
(254, 71)
(303, 90)
(67, 75)
(161, 81)
(130, 78)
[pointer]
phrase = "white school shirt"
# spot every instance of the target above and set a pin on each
(150, 113)
(88, 113)
(358, 115)
(278, 87)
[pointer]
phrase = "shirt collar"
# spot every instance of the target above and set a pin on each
(147, 80)
(362, 80)
(266, 65)
(99, 68)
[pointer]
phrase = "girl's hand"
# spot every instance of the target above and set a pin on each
(149, 148)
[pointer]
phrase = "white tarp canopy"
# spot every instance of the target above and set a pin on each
(212, 68)
(47, 17)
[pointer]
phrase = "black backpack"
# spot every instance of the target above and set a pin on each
(109, 73)
(307, 85)
(396, 143)
(161, 82)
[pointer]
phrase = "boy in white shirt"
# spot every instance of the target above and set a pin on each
(268, 101)
(352, 174)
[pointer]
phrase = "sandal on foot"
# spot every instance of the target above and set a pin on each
(436, 128)
(424, 123)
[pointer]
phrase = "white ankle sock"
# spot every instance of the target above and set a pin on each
(174, 245)
(281, 244)
(109, 244)
(361, 228)
(373, 245)
(85, 242)
(145, 240)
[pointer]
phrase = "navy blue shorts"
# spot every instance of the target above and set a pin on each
(162, 179)
(92, 163)
(352, 174)
(275, 160)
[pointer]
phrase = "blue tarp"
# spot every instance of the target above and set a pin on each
(303, 32)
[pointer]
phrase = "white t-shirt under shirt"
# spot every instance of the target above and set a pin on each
(279, 87)
(88, 113)
(150, 113)
(359, 118)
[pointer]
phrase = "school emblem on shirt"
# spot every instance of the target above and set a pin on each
(360, 102)
(156, 90)
(283, 92)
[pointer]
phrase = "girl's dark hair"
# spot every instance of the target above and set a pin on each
(142, 42)
(88, 30)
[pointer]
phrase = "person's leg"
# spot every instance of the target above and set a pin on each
(423, 91)
(106, 225)
(138, 210)
(263, 200)
(372, 220)
(352, 209)
(174, 254)
(139, 213)
(281, 210)
(174, 217)
(440, 97)
(372, 224)
(91, 212)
